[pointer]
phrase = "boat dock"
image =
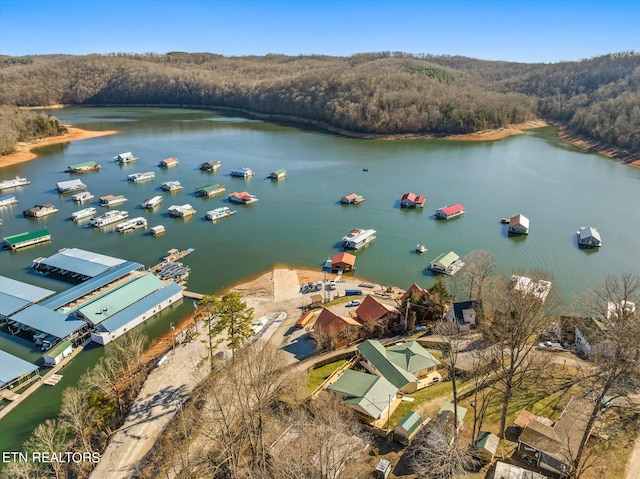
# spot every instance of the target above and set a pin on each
(192, 295)
(53, 380)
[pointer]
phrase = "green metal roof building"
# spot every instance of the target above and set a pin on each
(23, 240)
(408, 426)
(368, 394)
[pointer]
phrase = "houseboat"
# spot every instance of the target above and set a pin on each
(83, 167)
(157, 230)
(171, 186)
(131, 225)
(210, 190)
(589, 237)
(352, 199)
(123, 158)
(181, 211)
(447, 263)
(108, 218)
(213, 165)
(168, 163)
(83, 196)
(278, 174)
(518, 225)
(151, 203)
(243, 172)
(38, 211)
(24, 240)
(357, 238)
(448, 212)
(219, 213)
(8, 200)
(82, 214)
(411, 200)
(138, 177)
(242, 198)
(112, 200)
(17, 181)
(70, 186)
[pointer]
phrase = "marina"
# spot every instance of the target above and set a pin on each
(14, 183)
(219, 213)
(83, 214)
(108, 218)
(139, 177)
(112, 200)
(151, 203)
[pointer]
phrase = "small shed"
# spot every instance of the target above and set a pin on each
(317, 300)
(343, 262)
(306, 319)
(56, 354)
(487, 445)
(408, 427)
(383, 469)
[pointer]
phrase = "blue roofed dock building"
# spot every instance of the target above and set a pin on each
(15, 371)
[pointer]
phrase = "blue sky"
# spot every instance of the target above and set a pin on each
(513, 30)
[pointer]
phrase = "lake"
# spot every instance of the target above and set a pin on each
(299, 222)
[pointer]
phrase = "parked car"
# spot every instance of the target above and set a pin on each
(354, 302)
(332, 285)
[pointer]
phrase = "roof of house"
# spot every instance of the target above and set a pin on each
(462, 306)
(346, 258)
(589, 232)
(372, 310)
(413, 197)
(510, 471)
(447, 210)
(12, 367)
(410, 422)
(330, 322)
(411, 356)
(414, 288)
(369, 392)
(593, 330)
(519, 220)
(446, 259)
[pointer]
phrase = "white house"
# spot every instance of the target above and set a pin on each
(464, 314)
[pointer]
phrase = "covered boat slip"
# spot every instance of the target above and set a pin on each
(45, 320)
(15, 295)
(78, 262)
(14, 370)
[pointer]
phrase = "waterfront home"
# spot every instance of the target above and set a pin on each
(38, 211)
(408, 366)
(411, 200)
(551, 447)
(408, 427)
(343, 262)
(540, 289)
(376, 316)
(168, 163)
(83, 167)
(518, 225)
(210, 190)
(589, 333)
(278, 174)
(112, 200)
(13, 183)
(448, 212)
(243, 172)
(8, 200)
(243, 198)
(589, 237)
(213, 165)
(24, 240)
(70, 185)
(139, 177)
(182, 211)
(174, 185)
(123, 158)
(447, 263)
(357, 238)
(372, 397)
(464, 314)
(339, 329)
(414, 289)
(56, 354)
(352, 199)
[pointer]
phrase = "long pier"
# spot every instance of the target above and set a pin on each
(192, 295)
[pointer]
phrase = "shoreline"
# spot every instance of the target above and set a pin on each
(24, 151)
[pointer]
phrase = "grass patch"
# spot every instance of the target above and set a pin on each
(421, 397)
(318, 376)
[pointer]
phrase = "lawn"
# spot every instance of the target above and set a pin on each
(318, 376)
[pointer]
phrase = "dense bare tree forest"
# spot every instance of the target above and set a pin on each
(386, 93)
(23, 125)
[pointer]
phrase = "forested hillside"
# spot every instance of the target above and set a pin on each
(20, 125)
(366, 94)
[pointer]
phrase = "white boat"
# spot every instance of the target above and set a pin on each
(8, 200)
(112, 200)
(132, 224)
(420, 248)
(80, 197)
(17, 181)
(218, 213)
(82, 214)
(357, 238)
(151, 203)
(138, 177)
(108, 218)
